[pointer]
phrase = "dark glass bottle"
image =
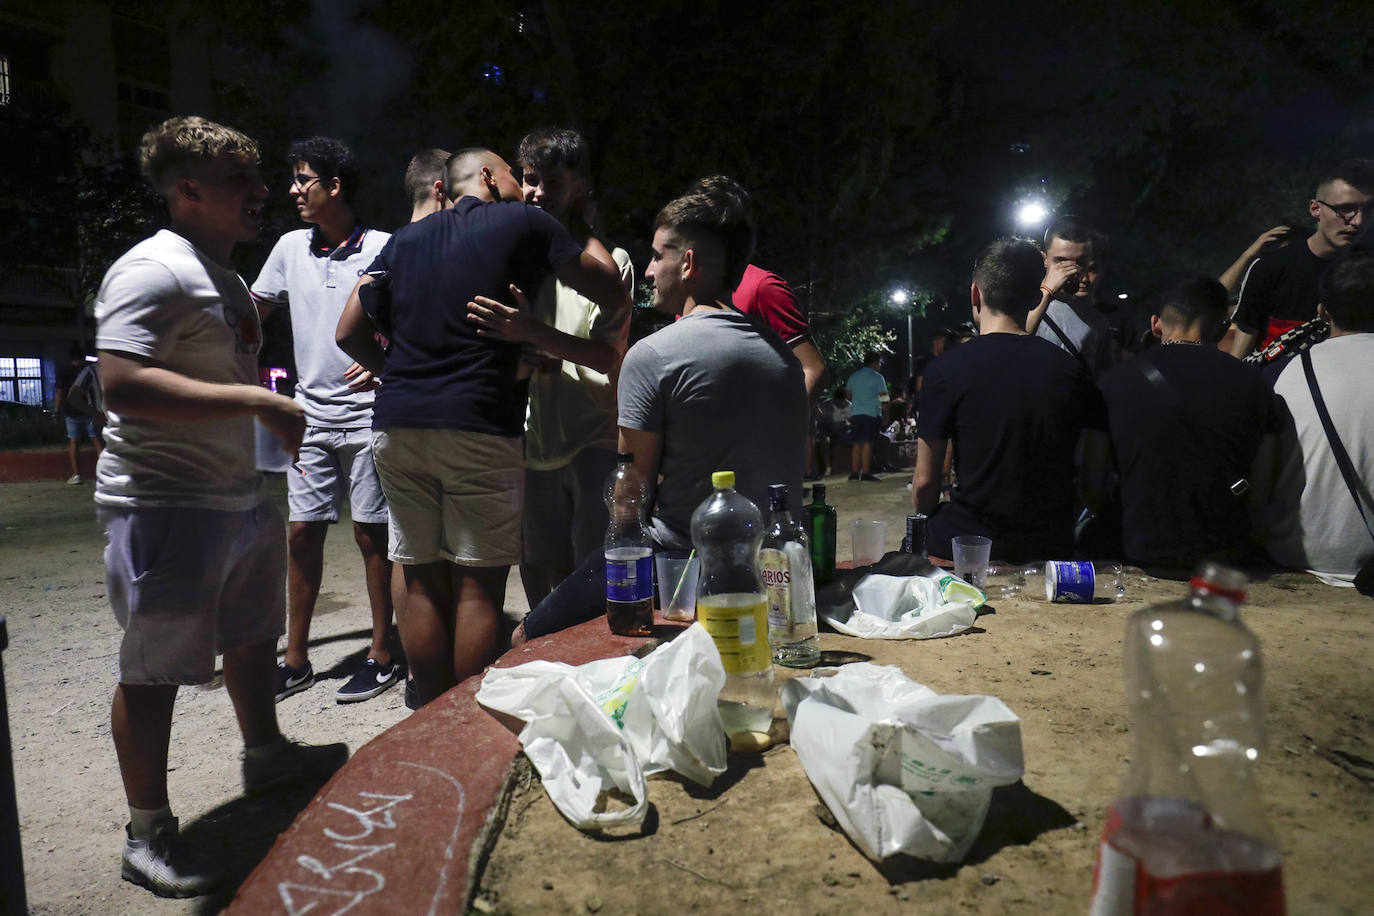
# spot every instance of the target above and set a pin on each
(821, 522)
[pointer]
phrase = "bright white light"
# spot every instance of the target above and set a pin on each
(1122, 296)
(900, 296)
(1031, 214)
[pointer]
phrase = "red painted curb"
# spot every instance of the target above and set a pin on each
(45, 464)
(408, 821)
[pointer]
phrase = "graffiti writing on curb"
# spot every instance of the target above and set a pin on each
(360, 840)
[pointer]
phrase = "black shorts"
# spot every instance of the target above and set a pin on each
(863, 428)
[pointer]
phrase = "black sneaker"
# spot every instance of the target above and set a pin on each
(293, 680)
(874, 478)
(412, 698)
(291, 762)
(854, 475)
(372, 678)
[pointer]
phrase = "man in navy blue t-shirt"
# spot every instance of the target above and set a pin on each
(1014, 407)
(450, 411)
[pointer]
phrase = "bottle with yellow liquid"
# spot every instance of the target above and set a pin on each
(727, 530)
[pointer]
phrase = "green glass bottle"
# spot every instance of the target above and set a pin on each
(821, 526)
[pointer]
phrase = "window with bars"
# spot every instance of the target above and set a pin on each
(21, 379)
(4, 79)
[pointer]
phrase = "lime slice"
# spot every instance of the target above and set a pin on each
(953, 589)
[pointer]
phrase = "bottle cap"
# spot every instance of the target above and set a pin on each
(624, 458)
(723, 479)
(818, 492)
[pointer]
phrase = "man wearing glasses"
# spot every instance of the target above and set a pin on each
(1279, 291)
(312, 271)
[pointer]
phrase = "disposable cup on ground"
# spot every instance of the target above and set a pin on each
(971, 555)
(867, 537)
(677, 584)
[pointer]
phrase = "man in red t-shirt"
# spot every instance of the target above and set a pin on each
(767, 296)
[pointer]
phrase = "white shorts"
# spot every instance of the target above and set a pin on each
(186, 584)
(453, 495)
(335, 463)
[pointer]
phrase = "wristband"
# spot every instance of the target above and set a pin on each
(1046, 290)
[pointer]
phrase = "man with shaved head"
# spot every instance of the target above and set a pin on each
(450, 411)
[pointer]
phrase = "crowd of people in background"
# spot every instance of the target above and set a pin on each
(465, 382)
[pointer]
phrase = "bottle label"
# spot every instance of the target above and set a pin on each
(630, 578)
(776, 572)
(1070, 581)
(738, 625)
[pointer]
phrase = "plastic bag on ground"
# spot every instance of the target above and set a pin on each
(923, 606)
(606, 725)
(902, 768)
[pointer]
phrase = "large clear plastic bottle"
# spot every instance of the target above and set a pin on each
(629, 553)
(727, 530)
(1064, 581)
(785, 562)
(1187, 833)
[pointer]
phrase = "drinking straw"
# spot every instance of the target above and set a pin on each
(683, 578)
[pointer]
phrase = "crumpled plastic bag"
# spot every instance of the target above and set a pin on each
(923, 606)
(608, 724)
(902, 768)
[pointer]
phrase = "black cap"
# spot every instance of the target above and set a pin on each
(624, 458)
(777, 496)
(818, 492)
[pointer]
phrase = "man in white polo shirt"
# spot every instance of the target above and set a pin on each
(313, 271)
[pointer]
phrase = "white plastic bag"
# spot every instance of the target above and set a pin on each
(903, 768)
(910, 607)
(607, 724)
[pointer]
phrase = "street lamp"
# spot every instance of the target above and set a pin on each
(902, 297)
(1031, 214)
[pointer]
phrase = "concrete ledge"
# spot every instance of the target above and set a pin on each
(407, 823)
(45, 464)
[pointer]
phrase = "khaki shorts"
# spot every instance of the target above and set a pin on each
(453, 495)
(186, 584)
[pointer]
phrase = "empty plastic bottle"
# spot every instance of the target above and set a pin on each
(1071, 581)
(727, 530)
(1187, 834)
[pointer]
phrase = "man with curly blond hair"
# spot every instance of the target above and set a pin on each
(195, 562)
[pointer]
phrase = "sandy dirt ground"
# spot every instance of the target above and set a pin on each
(759, 838)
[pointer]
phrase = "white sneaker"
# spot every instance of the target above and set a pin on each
(167, 866)
(74, 479)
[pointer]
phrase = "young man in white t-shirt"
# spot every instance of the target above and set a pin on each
(195, 563)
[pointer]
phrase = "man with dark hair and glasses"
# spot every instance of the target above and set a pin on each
(311, 271)
(1279, 291)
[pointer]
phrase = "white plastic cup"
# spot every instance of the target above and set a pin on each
(867, 538)
(677, 585)
(268, 452)
(971, 555)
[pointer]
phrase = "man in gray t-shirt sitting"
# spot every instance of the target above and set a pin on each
(713, 391)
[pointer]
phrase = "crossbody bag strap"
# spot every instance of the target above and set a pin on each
(1068, 344)
(1352, 480)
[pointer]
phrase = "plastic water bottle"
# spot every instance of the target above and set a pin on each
(821, 524)
(727, 531)
(629, 553)
(785, 565)
(1065, 581)
(1187, 833)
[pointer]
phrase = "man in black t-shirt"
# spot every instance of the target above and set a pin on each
(1187, 422)
(1279, 291)
(450, 411)
(1014, 407)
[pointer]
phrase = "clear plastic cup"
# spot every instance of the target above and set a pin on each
(677, 585)
(971, 555)
(867, 537)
